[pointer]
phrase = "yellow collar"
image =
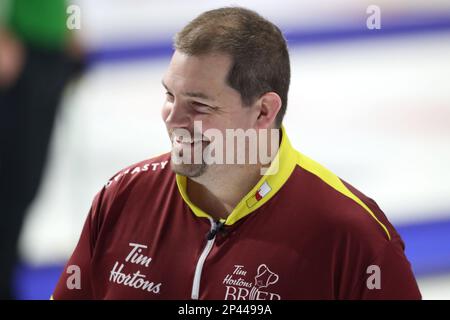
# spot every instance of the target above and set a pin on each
(278, 173)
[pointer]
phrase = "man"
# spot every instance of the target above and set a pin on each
(176, 227)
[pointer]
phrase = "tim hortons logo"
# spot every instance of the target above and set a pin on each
(239, 288)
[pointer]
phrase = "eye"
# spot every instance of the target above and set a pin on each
(169, 96)
(199, 104)
(201, 107)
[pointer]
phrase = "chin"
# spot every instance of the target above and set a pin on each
(189, 170)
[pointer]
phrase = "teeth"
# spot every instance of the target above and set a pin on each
(180, 140)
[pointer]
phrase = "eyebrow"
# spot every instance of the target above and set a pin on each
(191, 94)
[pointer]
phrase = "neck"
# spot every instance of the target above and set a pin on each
(219, 191)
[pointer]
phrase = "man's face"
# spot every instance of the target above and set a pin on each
(197, 91)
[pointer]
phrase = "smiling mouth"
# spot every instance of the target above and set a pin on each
(180, 140)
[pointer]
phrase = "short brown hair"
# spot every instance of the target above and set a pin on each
(260, 58)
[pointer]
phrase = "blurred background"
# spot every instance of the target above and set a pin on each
(373, 105)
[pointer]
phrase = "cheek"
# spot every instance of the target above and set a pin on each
(247, 117)
(240, 119)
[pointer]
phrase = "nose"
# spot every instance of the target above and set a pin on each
(175, 116)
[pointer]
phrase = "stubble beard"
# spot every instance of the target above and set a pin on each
(189, 170)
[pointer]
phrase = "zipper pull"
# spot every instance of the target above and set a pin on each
(218, 226)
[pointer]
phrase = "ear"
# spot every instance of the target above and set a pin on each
(269, 106)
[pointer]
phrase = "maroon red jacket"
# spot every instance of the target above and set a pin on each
(301, 233)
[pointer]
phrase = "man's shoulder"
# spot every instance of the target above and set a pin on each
(146, 175)
(337, 206)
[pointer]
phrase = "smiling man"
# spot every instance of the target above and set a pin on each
(190, 225)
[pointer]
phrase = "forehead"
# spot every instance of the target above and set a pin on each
(197, 72)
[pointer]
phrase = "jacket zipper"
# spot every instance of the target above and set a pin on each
(200, 263)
